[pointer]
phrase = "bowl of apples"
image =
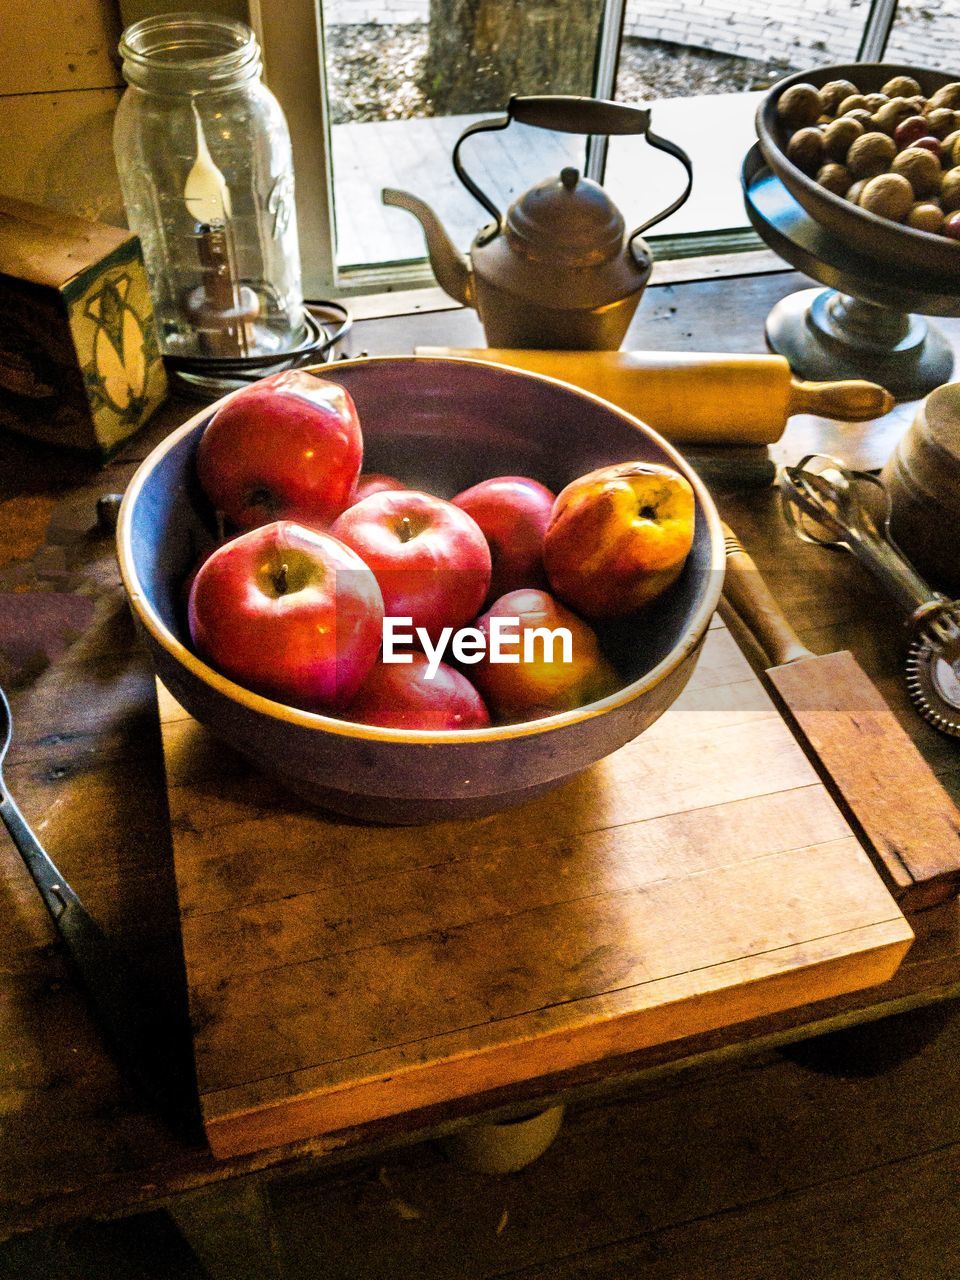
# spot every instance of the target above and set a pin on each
(414, 588)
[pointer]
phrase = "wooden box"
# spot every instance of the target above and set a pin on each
(80, 363)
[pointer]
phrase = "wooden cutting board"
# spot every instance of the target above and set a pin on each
(338, 973)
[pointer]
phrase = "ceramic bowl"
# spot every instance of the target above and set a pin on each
(922, 477)
(934, 256)
(440, 424)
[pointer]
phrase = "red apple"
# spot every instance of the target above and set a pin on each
(513, 513)
(287, 448)
(931, 144)
(618, 537)
(951, 227)
(186, 586)
(375, 482)
(288, 612)
(909, 130)
(402, 696)
(430, 559)
(546, 681)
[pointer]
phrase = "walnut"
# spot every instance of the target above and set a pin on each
(901, 87)
(949, 152)
(835, 178)
(941, 121)
(839, 136)
(855, 102)
(870, 154)
(948, 96)
(834, 92)
(950, 190)
(920, 168)
(925, 217)
(862, 117)
(799, 105)
(805, 149)
(888, 196)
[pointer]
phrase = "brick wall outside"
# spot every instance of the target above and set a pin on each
(927, 32)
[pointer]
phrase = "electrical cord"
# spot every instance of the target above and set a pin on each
(327, 324)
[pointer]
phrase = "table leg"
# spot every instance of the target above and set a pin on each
(230, 1229)
(872, 1048)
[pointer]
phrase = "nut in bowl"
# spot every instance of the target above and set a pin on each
(877, 166)
(441, 425)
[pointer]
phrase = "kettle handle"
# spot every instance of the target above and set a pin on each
(568, 113)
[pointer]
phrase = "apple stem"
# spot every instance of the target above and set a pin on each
(406, 529)
(280, 580)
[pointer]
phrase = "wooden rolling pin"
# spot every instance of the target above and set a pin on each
(697, 397)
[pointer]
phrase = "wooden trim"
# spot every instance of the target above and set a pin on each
(238, 1132)
(284, 30)
(718, 266)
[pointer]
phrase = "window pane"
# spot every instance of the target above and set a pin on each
(406, 77)
(703, 67)
(926, 34)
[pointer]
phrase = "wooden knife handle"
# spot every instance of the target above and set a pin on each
(851, 401)
(745, 589)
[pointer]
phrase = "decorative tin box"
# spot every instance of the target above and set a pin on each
(79, 360)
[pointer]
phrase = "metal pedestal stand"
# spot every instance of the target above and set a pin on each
(869, 323)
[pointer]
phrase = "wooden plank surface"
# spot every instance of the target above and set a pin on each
(855, 737)
(338, 974)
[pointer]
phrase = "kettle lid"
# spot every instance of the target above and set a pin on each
(569, 219)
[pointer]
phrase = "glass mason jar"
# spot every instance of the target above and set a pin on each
(203, 153)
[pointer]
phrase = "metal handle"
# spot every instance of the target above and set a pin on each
(832, 503)
(56, 893)
(148, 1041)
(568, 113)
(895, 574)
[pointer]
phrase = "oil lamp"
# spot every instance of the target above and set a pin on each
(205, 165)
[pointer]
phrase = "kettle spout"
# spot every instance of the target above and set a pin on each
(449, 265)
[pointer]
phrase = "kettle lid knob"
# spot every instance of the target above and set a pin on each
(570, 221)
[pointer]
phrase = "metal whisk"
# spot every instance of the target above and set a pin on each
(825, 503)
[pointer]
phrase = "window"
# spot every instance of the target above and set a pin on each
(388, 85)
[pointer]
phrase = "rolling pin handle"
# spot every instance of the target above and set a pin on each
(746, 591)
(850, 401)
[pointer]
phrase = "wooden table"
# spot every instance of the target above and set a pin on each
(86, 769)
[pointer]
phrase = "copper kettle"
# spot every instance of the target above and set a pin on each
(560, 270)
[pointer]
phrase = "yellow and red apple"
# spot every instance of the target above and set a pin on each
(551, 679)
(618, 537)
